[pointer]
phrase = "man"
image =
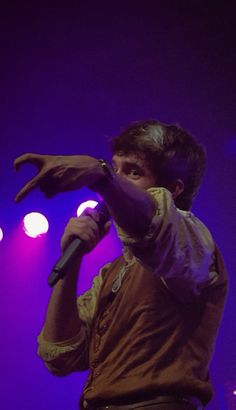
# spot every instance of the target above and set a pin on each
(146, 328)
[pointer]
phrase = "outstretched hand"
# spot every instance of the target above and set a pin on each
(58, 173)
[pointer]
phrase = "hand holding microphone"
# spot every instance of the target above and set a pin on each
(80, 236)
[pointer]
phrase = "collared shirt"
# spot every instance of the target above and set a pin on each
(177, 247)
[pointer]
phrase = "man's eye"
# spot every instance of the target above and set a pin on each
(134, 172)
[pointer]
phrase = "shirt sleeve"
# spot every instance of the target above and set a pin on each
(178, 247)
(72, 355)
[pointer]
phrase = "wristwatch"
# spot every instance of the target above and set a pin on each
(108, 171)
(109, 175)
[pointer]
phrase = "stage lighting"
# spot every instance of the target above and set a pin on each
(1, 234)
(35, 224)
(230, 394)
(84, 205)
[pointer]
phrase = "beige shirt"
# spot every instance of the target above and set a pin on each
(178, 248)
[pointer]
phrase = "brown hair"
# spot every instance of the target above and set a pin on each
(171, 153)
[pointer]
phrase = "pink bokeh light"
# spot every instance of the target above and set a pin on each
(35, 224)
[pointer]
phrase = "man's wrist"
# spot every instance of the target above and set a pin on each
(107, 169)
(107, 175)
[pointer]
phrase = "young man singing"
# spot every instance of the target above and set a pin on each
(146, 329)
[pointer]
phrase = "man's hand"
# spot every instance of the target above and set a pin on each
(86, 228)
(59, 173)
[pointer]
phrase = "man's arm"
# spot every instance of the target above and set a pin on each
(131, 207)
(178, 247)
(65, 356)
(62, 318)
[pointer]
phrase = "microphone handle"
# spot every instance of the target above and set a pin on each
(76, 247)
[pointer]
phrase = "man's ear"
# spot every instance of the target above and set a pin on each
(176, 188)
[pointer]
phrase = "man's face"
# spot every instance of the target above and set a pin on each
(135, 169)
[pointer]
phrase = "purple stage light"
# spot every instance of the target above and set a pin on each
(35, 224)
(1, 234)
(84, 205)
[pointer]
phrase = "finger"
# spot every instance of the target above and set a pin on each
(106, 229)
(29, 158)
(83, 226)
(88, 237)
(92, 213)
(92, 228)
(27, 188)
(107, 226)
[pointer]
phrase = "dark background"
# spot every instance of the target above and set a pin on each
(72, 74)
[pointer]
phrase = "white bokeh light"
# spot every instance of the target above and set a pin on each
(84, 205)
(1, 234)
(35, 224)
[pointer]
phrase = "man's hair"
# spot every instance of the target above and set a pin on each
(171, 153)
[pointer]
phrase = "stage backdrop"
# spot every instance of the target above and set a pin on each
(73, 74)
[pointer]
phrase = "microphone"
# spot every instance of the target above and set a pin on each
(75, 248)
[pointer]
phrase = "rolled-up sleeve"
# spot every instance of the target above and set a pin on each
(64, 357)
(177, 247)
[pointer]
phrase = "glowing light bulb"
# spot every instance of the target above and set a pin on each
(35, 224)
(84, 205)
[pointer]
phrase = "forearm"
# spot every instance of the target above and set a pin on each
(62, 319)
(131, 207)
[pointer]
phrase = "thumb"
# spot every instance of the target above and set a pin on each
(106, 229)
